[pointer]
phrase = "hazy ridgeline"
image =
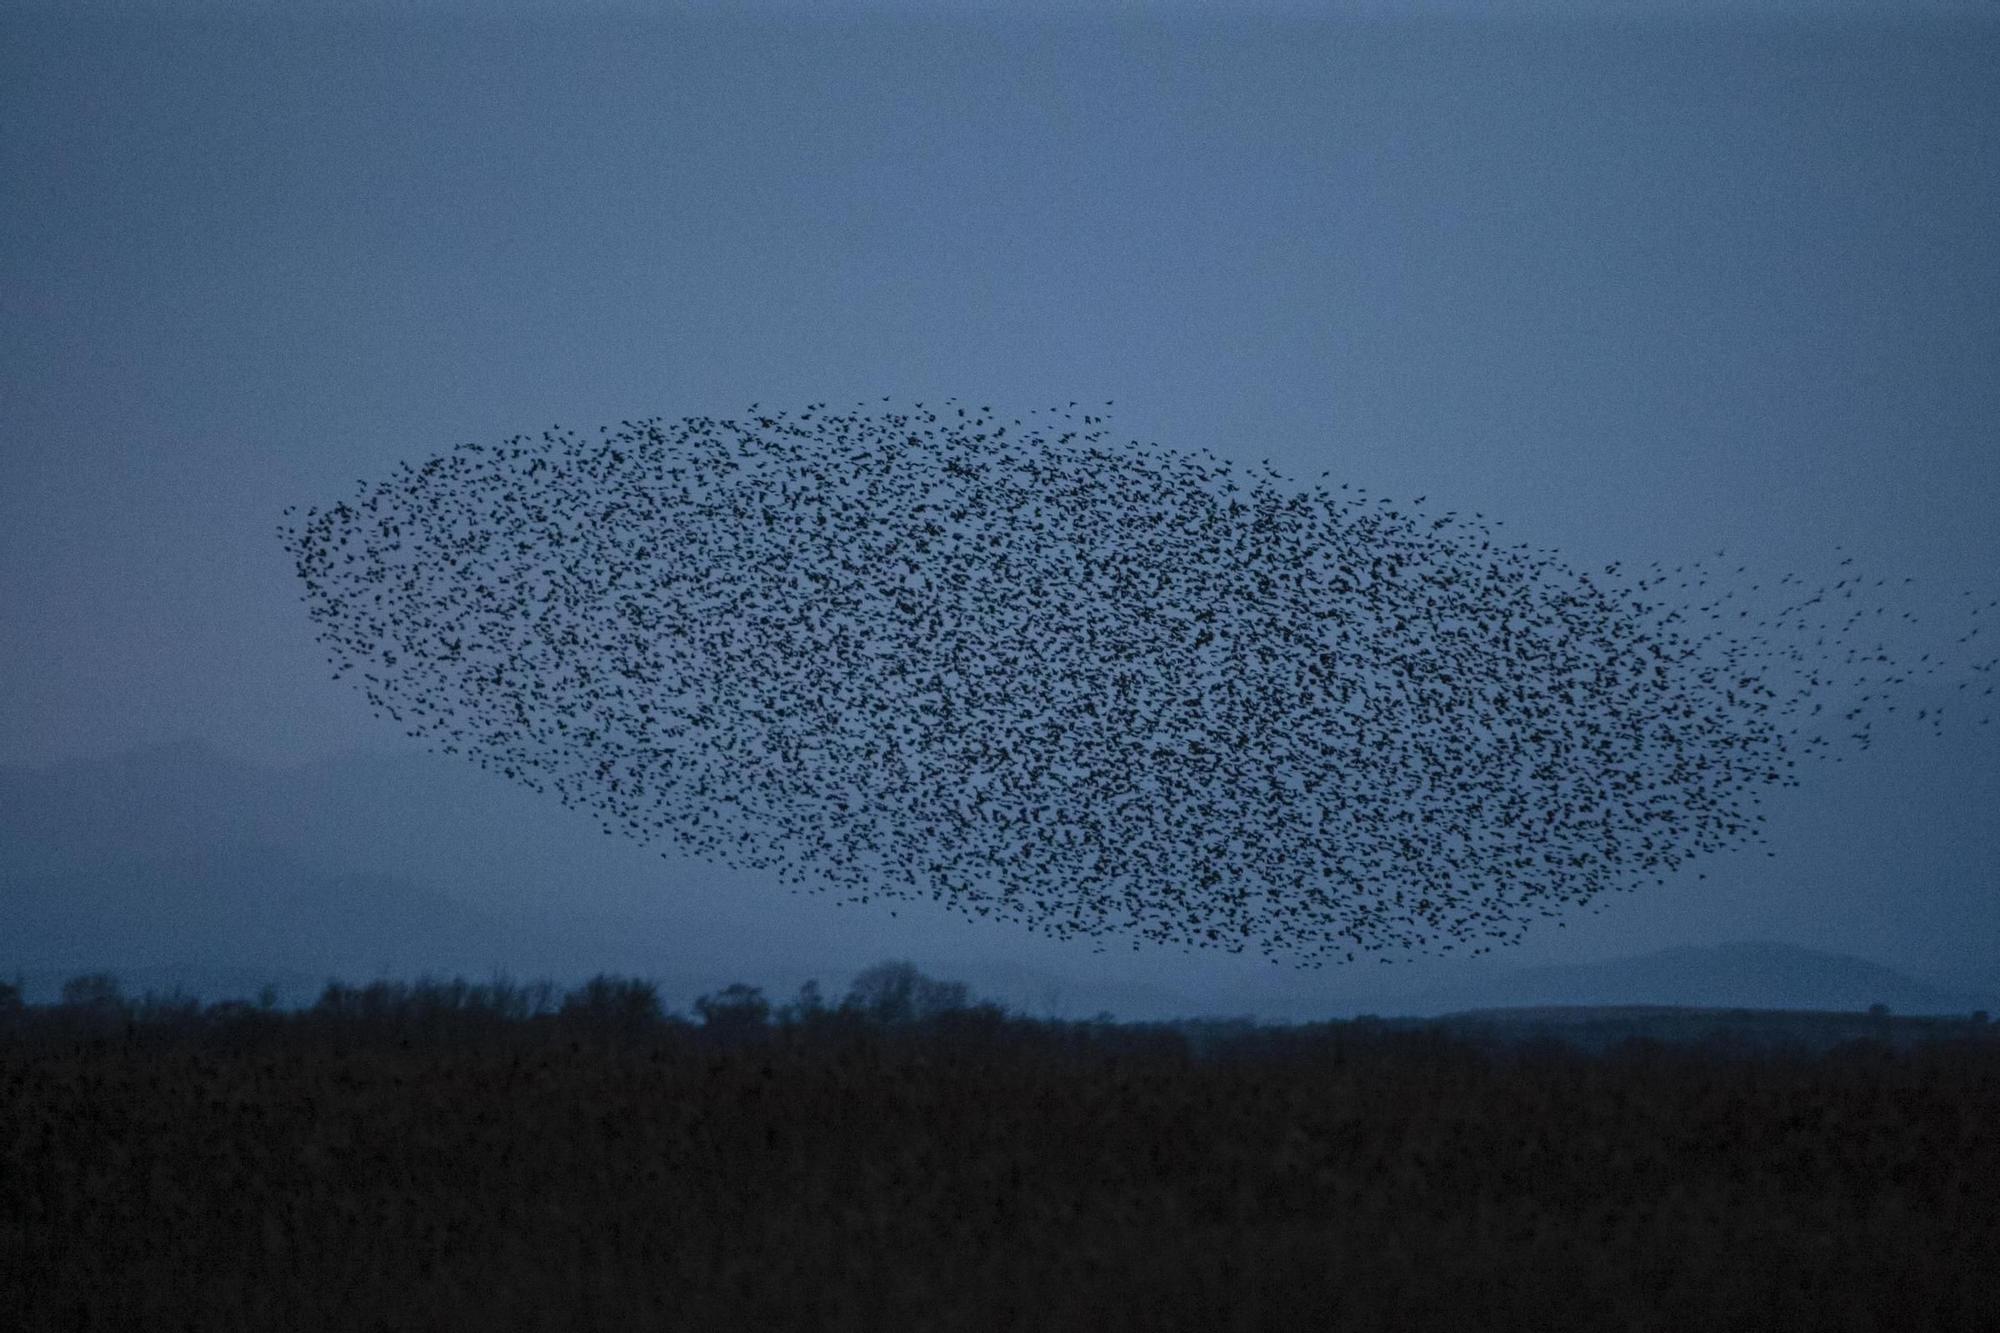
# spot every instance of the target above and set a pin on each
(453, 1155)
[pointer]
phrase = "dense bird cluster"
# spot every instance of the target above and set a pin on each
(1046, 678)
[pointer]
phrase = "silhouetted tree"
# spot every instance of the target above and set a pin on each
(176, 1007)
(809, 1005)
(896, 992)
(95, 991)
(517, 1000)
(377, 1002)
(736, 1010)
(624, 1002)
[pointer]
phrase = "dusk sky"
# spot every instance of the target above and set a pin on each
(1644, 281)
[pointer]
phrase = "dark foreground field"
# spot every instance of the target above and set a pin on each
(370, 1166)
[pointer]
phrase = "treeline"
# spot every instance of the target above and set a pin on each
(896, 998)
(892, 1003)
(888, 995)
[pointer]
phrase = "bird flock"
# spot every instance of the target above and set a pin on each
(1009, 665)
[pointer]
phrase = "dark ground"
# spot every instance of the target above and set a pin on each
(403, 1165)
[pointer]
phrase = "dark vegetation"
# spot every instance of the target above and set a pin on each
(446, 1155)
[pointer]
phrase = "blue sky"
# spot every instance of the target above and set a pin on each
(1644, 284)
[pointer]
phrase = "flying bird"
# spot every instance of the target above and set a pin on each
(1093, 688)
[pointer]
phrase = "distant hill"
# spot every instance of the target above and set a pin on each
(177, 865)
(160, 801)
(245, 911)
(1758, 974)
